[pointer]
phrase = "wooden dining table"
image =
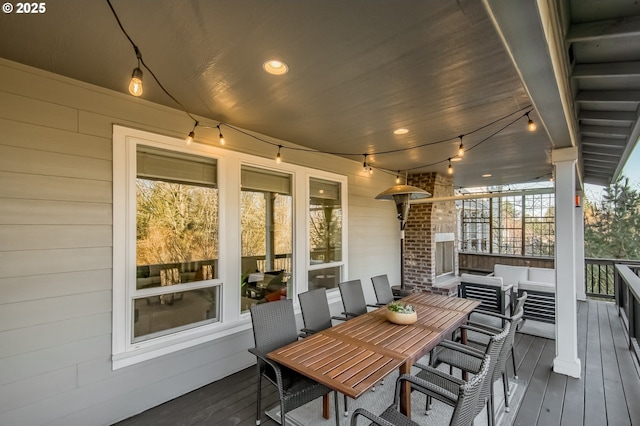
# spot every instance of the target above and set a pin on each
(354, 356)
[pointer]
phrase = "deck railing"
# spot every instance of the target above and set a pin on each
(627, 284)
(599, 276)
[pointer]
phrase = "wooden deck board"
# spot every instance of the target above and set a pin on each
(607, 393)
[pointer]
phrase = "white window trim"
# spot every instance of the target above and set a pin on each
(231, 321)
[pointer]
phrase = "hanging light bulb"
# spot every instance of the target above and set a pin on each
(278, 158)
(398, 177)
(461, 148)
(220, 135)
(450, 169)
(364, 163)
(531, 125)
(135, 85)
(370, 170)
(192, 134)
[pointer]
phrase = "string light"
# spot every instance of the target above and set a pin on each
(220, 135)
(398, 178)
(278, 158)
(136, 89)
(135, 85)
(192, 134)
(531, 125)
(450, 168)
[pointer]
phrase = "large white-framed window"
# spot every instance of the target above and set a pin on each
(178, 277)
(327, 229)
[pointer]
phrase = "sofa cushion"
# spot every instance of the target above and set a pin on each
(511, 274)
(537, 286)
(482, 279)
(544, 275)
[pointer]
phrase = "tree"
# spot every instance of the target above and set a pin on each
(612, 225)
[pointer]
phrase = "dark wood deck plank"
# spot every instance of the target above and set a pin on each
(617, 413)
(551, 410)
(573, 407)
(628, 370)
(595, 408)
(540, 358)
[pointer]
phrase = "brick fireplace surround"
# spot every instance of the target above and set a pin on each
(425, 221)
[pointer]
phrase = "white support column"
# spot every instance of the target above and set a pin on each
(566, 361)
(581, 293)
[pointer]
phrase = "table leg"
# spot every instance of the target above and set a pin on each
(405, 391)
(325, 405)
(463, 340)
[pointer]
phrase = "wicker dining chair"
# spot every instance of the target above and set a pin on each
(382, 289)
(464, 399)
(274, 326)
(500, 371)
(352, 298)
(467, 359)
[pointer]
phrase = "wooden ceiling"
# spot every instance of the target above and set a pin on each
(362, 68)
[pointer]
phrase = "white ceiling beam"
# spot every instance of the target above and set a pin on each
(611, 152)
(603, 142)
(598, 158)
(621, 96)
(608, 131)
(607, 28)
(622, 116)
(609, 69)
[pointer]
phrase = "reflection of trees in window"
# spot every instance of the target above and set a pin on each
(176, 222)
(325, 221)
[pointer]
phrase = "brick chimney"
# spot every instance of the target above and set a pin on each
(427, 223)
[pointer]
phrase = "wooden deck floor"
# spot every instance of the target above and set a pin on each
(607, 394)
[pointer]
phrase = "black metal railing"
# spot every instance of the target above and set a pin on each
(627, 290)
(599, 276)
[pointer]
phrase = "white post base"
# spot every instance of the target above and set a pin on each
(568, 368)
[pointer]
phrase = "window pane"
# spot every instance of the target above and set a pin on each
(176, 219)
(168, 313)
(267, 236)
(325, 278)
(325, 221)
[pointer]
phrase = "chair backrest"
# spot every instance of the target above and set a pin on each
(274, 325)
(469, 396)
(493, 350)
(382, 288)
(315, 309)
(515, 320)
(353, 297)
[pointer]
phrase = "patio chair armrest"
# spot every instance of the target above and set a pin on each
(467, 350)
(348, 315)
(364, 413)
(428, 388)
(377, 305)
(339, 318)
(305, 332)
(481, 330)
(439, 373)
(274, 365)
(489, 328)
(491, 314)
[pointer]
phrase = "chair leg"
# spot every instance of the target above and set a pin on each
(346, 407)
(259, 397)
(505, 386)
(513, 360)
(491, 416)
(283, 415)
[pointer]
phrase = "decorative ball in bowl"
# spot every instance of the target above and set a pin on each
(401, 313)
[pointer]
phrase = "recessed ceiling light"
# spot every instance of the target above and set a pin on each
(487, 175)
(275, 67)
(401, 131)
(455, 159)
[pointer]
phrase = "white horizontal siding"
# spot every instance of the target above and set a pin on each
(56, 253)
